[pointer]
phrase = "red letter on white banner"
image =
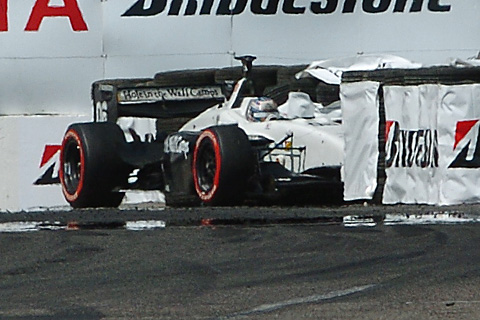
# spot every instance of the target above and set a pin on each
(41, 9)
(3, 16)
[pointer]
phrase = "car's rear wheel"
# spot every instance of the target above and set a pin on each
(223, 161)
(90, 167)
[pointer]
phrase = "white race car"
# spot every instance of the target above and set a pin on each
(247, 148)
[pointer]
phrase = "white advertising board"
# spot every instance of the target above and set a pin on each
(432, 148)
(52, 50)
(412, 139)
(70, 43)
(29, 163)
(432, 142)
(459, 144)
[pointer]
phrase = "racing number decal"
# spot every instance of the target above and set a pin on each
(206, 191)
(67, 170)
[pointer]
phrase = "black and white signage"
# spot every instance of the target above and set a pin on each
(149, 95)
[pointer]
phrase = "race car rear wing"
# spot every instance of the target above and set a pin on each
(180, 93)
(146, 98)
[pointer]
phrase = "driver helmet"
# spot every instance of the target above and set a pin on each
(261, 109)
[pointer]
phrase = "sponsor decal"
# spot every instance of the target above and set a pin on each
(143, 8)
(466, 145)
(176, 144)
(50, 164)
(43, 9)
(3, 15)
(146, 95)
(410, 148)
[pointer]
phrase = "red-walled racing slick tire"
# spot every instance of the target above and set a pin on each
(223, 160)
(90, 168)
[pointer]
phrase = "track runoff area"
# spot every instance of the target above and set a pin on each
(134, 219)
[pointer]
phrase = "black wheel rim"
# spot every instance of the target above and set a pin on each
(206, 166)
(72, 166)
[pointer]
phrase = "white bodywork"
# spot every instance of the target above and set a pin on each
(314, 126)
(321, 135)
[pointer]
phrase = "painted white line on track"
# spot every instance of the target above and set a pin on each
(29, 226)
(445, 218)
(18, 226)
(144, 225)
(356, 221)
(32, 226)
(264, 308)
(431, 218)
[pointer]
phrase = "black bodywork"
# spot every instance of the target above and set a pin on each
(269, 182)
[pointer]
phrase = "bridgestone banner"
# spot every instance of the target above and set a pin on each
(432, 144)
(459, 144)
(412, 144)
(52, 50)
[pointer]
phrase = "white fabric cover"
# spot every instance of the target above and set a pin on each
(360, 119)
(412, 113)
(459, 112)
(330, 71)
(298, 105)
(452, 114)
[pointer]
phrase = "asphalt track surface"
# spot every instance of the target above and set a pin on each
(243, 263)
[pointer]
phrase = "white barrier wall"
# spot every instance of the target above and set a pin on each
(459, 143)
(30, 148)
(47, 63)
(432, 148)
(412, 144)
(360, 105)
(52, 50)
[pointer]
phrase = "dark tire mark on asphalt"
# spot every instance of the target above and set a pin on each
(213, 271)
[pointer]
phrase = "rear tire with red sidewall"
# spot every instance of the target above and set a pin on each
(90, 167)
(223, 162)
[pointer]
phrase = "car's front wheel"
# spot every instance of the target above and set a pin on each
(223, 162)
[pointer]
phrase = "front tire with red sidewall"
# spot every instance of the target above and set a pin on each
(223, 162)
(90, 167)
